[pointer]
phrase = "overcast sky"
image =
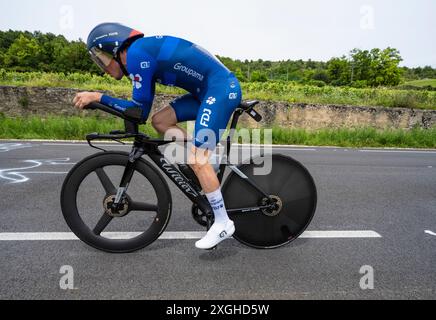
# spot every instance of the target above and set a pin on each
(249, 29)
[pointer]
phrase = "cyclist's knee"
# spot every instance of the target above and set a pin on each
(159, 123)
(164, 120)
(156, 122)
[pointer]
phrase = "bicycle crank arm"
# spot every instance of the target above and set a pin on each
(248, 210)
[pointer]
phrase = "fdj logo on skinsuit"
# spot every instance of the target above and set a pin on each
(205, 118)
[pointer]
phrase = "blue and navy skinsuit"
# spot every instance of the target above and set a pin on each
(214, 92)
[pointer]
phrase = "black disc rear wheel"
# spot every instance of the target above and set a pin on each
(293, 199)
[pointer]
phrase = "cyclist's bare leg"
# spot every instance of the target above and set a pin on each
(199, 161)
(223, 228)
(165, 122)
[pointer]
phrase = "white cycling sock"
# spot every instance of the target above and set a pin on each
(219, 209)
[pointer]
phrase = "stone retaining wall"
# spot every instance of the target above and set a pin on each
(22, 101)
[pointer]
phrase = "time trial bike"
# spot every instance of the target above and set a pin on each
(269, 210)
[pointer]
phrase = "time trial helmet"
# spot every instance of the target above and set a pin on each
(107, 40)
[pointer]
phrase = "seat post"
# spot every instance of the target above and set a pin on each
(235, 119)
(233, 126)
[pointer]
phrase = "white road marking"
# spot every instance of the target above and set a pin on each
(430, 232)
(274, 148)
(184, 235)
(84, 145)
(45, 172)
(243, 146)
(18, 175)
(398, 151)
(6, 147)
(233, 146)
(341, 234)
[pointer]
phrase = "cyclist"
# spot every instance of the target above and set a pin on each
(214, 94)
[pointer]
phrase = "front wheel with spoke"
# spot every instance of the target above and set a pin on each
(90, 190)
(288, 209)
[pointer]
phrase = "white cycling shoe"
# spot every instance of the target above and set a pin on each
(216, 235)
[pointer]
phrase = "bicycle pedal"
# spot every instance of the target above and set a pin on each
(213, 249)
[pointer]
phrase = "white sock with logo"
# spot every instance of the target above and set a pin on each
(219, 209)
(222, 229)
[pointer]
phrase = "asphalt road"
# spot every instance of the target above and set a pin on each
(391, 193)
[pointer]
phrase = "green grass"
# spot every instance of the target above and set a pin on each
(76, 128)
(422, 83)
(74, 80)
(270, 91)
(60, 128)
(357, 138)
(383, 97)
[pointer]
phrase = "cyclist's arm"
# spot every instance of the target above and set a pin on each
(141, 68)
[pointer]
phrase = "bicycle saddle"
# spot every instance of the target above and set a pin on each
(246, 105)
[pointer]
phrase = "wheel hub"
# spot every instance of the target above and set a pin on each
(122, 210)
(275, 203)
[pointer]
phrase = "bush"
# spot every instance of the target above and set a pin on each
(338, 83)
(258, 76)
(321, 75)
(317, 83)
(359, 84)
(404, 100)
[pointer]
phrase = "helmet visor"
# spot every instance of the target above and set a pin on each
(101, 58)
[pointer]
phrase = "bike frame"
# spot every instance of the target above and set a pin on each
(143, 145)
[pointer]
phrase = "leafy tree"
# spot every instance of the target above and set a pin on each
(316, 83)
(74, 58)
(374, 68)
(338, 70)
(7, 38)
(50, 44)
(360, 65)
(24, 53)
(37, 51)
(240, 75)
(428, 72)
(258, 76)
(384, 70)
(321, 75)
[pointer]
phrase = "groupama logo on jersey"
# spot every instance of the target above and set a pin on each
(188, 71)
(136, 81)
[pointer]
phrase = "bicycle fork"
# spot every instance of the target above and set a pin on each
(135, 154)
